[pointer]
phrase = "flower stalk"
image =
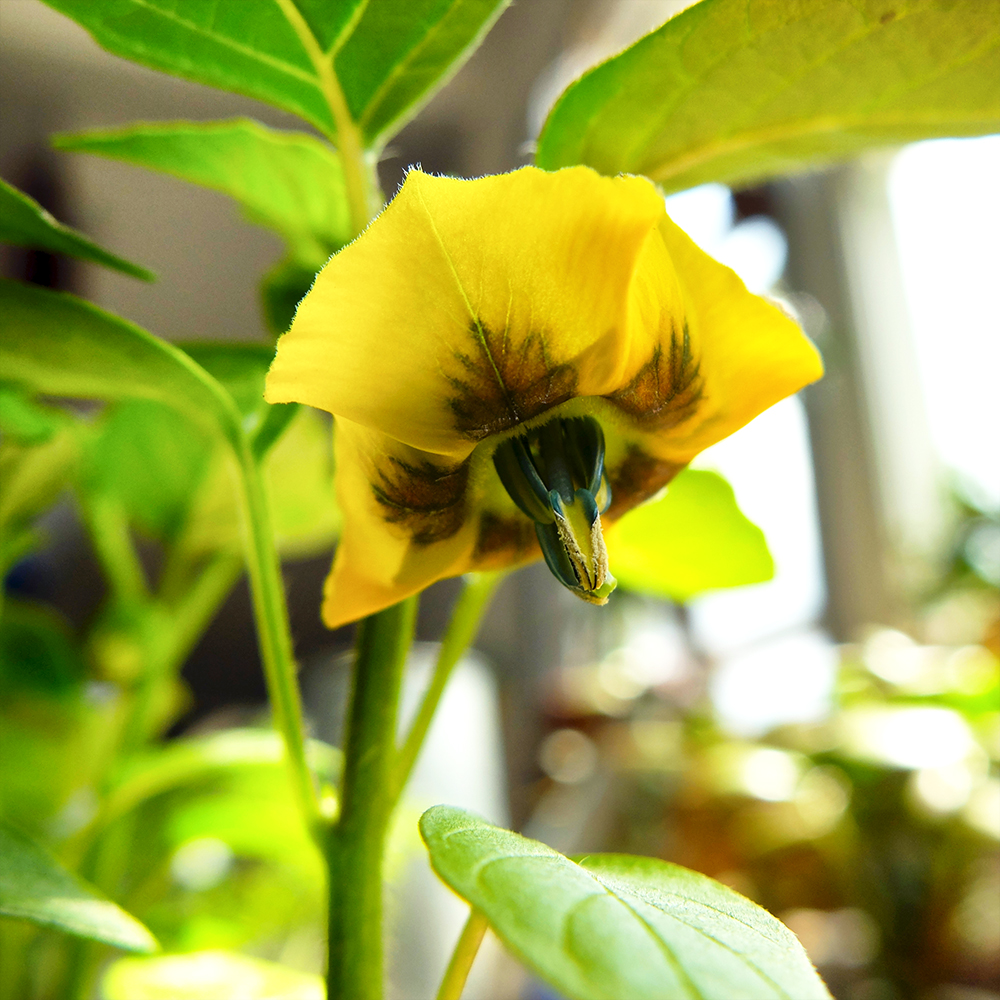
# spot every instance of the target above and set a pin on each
(356, 845)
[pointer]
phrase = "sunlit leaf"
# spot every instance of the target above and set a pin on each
(693, 539)
(25, 421)
(35, 887)
(24, 223)
(208, 975)
(612, 926)
(740, 90)
(290, 182)
(59, 345)
(388, 61)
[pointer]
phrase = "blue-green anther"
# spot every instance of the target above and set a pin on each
(555, 475)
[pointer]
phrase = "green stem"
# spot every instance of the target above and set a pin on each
(274, 637)
(465, 620)
(358, 181)
(357, 843)
(462, 957)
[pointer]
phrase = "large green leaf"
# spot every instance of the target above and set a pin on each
(389, 55)
(693, 539)
(208, 975)
(613, 926)
(24, 223)
(35, 887)
(740, 90)
(59, 345)
(290, 182)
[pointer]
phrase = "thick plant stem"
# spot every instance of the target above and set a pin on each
(357, 842)
(465, 620)
(274, 638)
(462, 957)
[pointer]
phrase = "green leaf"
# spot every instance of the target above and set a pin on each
(24, 223)
(740, 90)
(37, 651)
(693, 539)
(25, 421)
(401, 53)
(614, 926)
(286, 181)
(281, 291)
(59, 345)
(388, 61)
(249, 48)
(154, 494)
(239, 368)
(208, 975)
(35, 887)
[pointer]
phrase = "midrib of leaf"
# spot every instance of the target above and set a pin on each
(397, 71)
(668, 953)
(348, 138)
(230, 43)
(347, 30)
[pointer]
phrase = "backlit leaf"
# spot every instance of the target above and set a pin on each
(612, 926)
(693, 539)
(740, 90)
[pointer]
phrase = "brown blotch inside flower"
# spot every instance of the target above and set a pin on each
(639, 477)
(426, 500)
(503, 540)
(667, 389)
(501, 384)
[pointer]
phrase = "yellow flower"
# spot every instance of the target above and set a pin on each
(456, 340)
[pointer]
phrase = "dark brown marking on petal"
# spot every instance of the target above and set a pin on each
(500, 385)
(667, 389)
(426, 500)
(638, 477)
(504, 540)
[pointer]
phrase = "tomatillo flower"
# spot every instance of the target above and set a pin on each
(513, 360)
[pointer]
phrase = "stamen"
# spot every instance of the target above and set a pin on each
(555, 475)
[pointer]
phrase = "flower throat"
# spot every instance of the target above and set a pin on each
(555, 475)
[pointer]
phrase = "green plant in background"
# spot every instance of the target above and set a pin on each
(183, 448)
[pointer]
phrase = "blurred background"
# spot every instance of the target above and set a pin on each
(827, 743)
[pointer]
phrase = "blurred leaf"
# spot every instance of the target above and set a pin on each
(208, 975)
(402, 53)
(740, 90)
(282, 289)
(693, 539)
(184, 761)
(31, 478)
(60, 345)
(37, 651)
(290, 182)
(150, 459)
(24, 223)
(387, 61)
(614, 926)
(35, 887)
(239, 367)
(298, 475)
(25, 421)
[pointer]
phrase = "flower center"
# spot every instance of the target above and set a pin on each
(555, 475)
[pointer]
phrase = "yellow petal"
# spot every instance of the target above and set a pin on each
(406, 524)
(745, 353)
(470, 306)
